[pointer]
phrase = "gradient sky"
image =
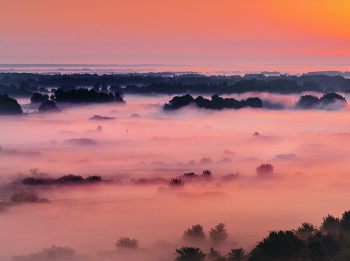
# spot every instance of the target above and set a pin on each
(149, 31)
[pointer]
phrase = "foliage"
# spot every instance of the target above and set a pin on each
(9, 106)
(196, 233)
(214, 255)
(216, 102)
(313, 102)
(345, 221)
(206, 173)
(281, 245)
(305, 231)
(218, 234)
(330, 224)
(323, 247)
(64, 180)
(176, 182)
(189, 254)
(178, 102)
(87, 96)
(264, 170)
(237, 254)
(38, 97)
(25, 196)
(53, 253)
(125, 242)
(48, 106)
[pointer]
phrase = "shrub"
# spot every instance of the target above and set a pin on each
(125, 242)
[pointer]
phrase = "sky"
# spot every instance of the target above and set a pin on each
(175, 32)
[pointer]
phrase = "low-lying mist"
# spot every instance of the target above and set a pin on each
(138, 150)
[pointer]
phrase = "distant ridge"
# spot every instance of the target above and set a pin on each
(17, 65)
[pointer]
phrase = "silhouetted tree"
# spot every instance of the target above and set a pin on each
(345, 221)
(305, 231)
(323, 247)
(330, 224)
(176, 182)
(96, 87)
(93, 178)
(9, 106)
(307, 102)
(331, 97)
(70, 179)
(218, 234)
(213, 255)
(48, 106)
(206, 173)
(281, 245)
(178, 102)
(237, 254)
(118, 96)
(25, 196)
(195, 233)
(37, 97)
(104, 88)
(125, 242)
(264, 170)
(189, 254)
(53, 253)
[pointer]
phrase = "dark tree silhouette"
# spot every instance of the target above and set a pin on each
(85, 96)
(218, 234)
(178, 102)
(176, 182)
(305, 231)
(216, 102)
(53, 253)
(345, 221)
(37, 97)
(312, 102)
(213, 255)
(93, 178)
(96, 87)
(281, 245)
(194, 233)
(264, 170)
(9, 106)
(330, 224)
(237, 254)
(307, 102)
(25, 196)
(189, 254)
(125, 242)
(48, 106)
(332, 97)
(323, 247)
(206, 173)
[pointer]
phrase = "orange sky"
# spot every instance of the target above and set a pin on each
(156, 30)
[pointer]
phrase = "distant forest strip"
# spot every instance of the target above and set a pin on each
(305, 102)
(25, 84)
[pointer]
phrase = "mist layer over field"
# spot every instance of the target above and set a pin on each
(307, 148)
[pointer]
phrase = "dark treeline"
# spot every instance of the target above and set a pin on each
(85, 96)
(313, 102)
(216, 102)
(64, 180)
(25, 84)
(330, 242)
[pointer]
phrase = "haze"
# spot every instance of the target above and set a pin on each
(309, 155)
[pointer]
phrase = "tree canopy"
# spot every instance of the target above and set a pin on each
(9, 106)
